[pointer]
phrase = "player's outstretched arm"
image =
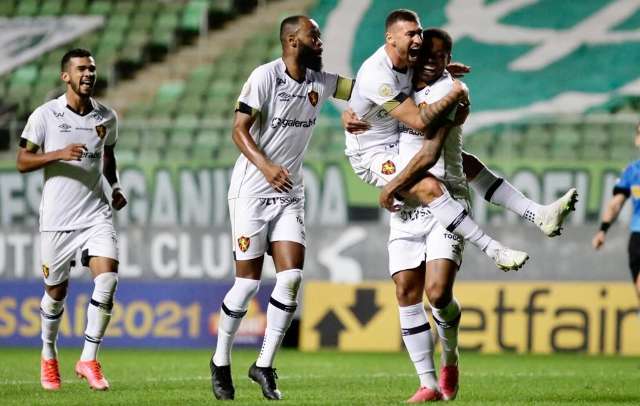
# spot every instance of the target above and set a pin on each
(610, 214)
(276, 175)
(29, 159)
(421, 162)
(421, 118)
(110, 172)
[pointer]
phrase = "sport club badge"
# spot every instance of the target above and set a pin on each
(101, 130)
(388, 168)
(244, 243)
(313, 97)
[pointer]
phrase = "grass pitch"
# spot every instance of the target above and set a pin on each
(181, 377)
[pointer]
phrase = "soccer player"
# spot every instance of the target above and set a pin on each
(424, 254)
(275, 115)
(381, 97)
(73, 139)
(627, 186)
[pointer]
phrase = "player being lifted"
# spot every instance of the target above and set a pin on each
(381, 97)
(423, 255)
(76, 136)
(275, 115)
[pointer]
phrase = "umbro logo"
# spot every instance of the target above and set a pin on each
(64, 127)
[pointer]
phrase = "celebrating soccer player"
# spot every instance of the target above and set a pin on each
(73, 139)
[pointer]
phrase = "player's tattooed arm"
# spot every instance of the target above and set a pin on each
(110, 172)
(432, 114)
(29, 159)
(276, 175)
(421, 162)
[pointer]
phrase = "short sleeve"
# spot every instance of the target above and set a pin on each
(254, 93)
(623, 185)
(381, 91)
(112, 130)
(34, 132)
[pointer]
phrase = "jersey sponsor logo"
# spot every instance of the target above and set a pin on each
(284, 200)
(286, 97)
(45, 270)
(244, 243)
(382, 113)
(388, 168)
(91, 155)
(64, 128)
(292, 122)
(280, 81)
(409, 130)
(313, 97)
(385, 90)
(58, 115)
(101, 130)
(415, 214)
(96, 116)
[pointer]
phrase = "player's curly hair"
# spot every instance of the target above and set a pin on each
(440, 34)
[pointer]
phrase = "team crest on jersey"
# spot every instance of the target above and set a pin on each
(385, 90)
(313, 97)
(244, 243)
(102, 131)
(45, 271)
(388, 168)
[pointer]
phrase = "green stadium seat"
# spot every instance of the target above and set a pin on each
(27, 8)
(129, 139)
(51, 7)
(26, 75)
(7, 8)
(117, 22)
(125, 7)
(479, 143)
(194, 16)
(142, 20)
(566, 141)
(75, 6)
(101, 7)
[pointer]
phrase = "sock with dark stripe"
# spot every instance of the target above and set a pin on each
(447, 321)
(98, 314)
(50, 315)
(417, 338)
(280, 312)
(453, 216)
(500, 192)
(234, 307)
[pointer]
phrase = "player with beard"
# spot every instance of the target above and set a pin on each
(275, 115)
(381, 97)
(76, 136)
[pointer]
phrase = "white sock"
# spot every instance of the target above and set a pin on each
(447, 321)
(453, 216)
(499, 191)
(50, 315)
(234, 307)
(280, 312)
(98, 314)
(416, 334)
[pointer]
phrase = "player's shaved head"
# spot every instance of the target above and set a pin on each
(290, 26)
(74, 53)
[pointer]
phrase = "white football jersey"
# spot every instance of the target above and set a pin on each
(287, 112)
(449, 166)
(72, 196)
(378, 89)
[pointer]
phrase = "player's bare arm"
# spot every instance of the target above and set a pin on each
(110, 172)
(420, 118)
(276, 175)
(416, 168)
(29, 159)
(608, 217)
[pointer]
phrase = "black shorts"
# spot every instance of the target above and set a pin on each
(634, 255)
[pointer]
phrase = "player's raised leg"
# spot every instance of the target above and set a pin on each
(455, 218)
(499, 191)
(105, 282)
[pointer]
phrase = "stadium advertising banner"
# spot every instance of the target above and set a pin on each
(536, 317)
(145, 314)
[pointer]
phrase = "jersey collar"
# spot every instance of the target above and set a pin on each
(62, 102)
